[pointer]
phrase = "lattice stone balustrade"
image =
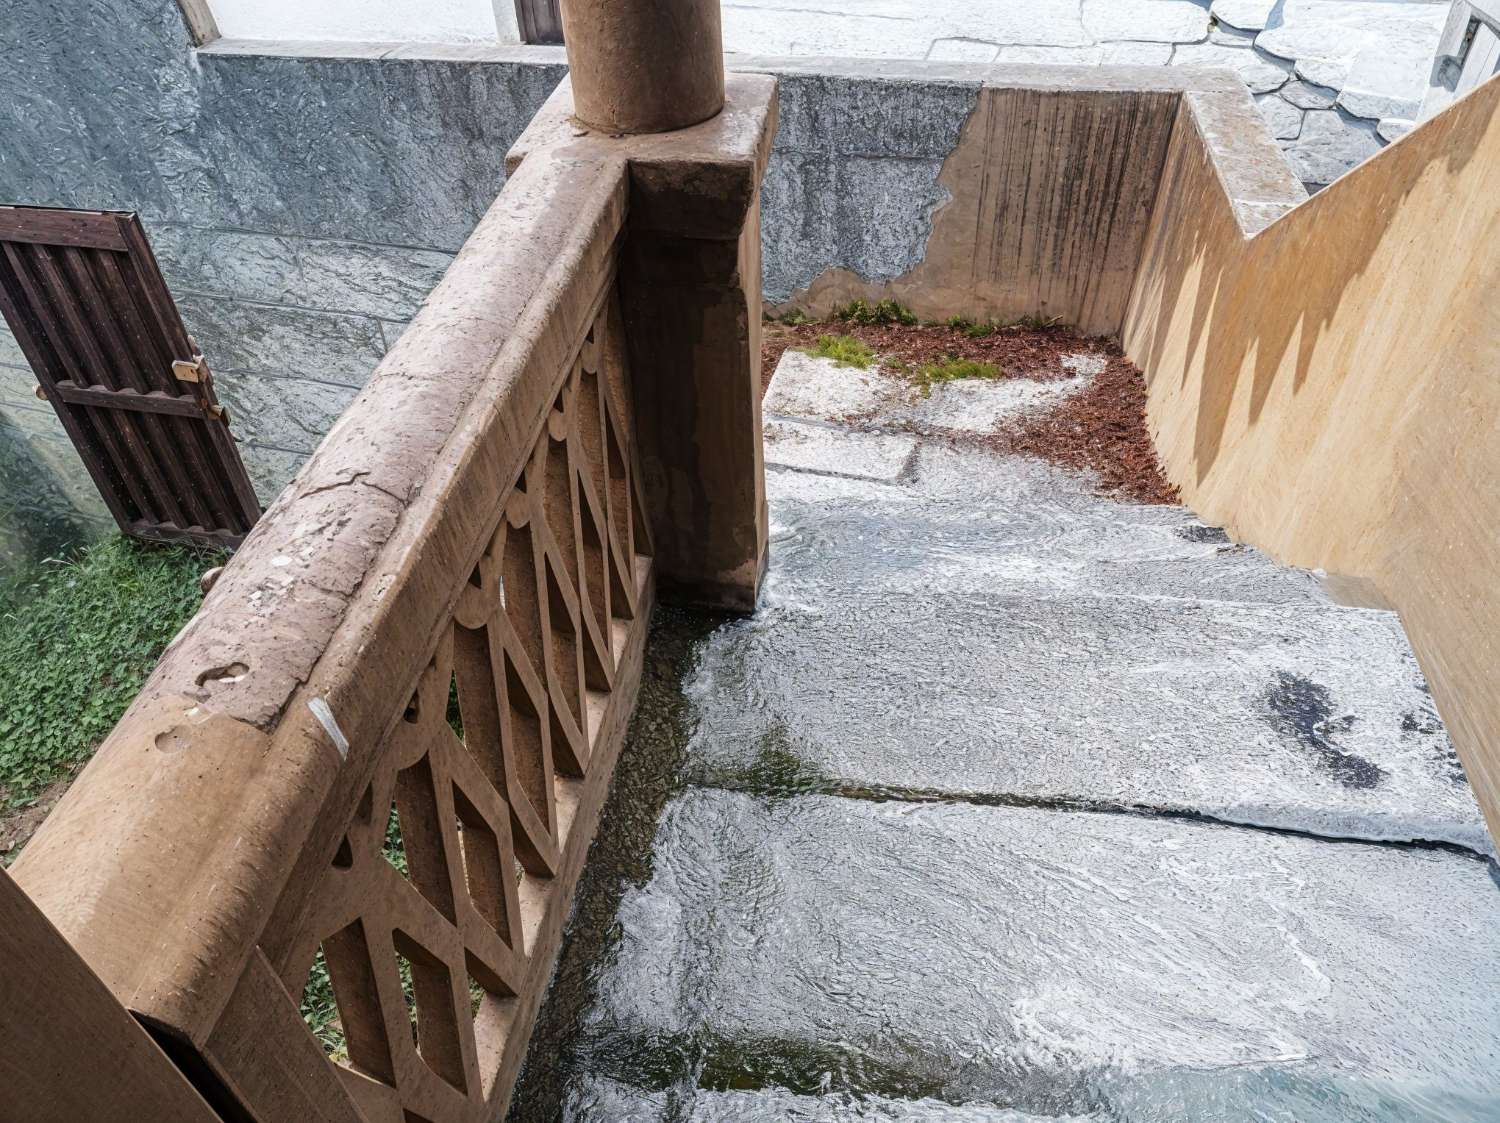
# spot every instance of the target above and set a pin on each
(443, 618)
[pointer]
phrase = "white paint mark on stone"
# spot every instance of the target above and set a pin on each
(321, 710)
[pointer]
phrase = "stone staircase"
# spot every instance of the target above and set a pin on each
(1016, 803)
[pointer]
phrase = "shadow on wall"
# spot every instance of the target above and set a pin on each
(1326, 389)
(39, 517)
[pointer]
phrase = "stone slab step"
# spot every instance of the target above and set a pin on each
(1302, 718)
(969, 520)
(1049, 963)
(606, 1101)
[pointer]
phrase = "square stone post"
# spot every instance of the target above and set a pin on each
(690, 292)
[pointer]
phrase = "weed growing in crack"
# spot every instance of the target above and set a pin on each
(881, 312)
(844, 350)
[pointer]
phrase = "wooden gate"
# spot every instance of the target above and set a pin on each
(82, 292)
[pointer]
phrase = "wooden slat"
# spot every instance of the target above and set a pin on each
(121, 464)
(92, 229)
(153, 402)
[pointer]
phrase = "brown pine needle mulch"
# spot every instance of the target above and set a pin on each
(1102, 428)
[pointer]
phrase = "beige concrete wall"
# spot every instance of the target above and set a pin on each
(1329, 388)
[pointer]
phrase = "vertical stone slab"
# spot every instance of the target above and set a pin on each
(693, 321)
(690, 285)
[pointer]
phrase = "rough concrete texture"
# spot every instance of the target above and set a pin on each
(1017, 804)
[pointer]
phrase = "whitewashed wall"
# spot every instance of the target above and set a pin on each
(374, 21)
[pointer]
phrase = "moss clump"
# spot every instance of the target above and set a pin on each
(978, 329)
(971, 328)
(844, 350)
(796, 318)
(77, 640)
(881, 312)
(929, 375)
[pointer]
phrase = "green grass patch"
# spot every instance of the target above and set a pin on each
(929, 375)
(77, 640)
(881, 312)
(844, 350)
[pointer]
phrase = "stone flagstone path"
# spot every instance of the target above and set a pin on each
(1336, 79)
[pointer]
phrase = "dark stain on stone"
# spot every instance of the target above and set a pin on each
(1424, 723)
(1302, 709)
(1203, 534)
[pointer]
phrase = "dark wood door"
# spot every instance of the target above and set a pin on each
(540, 20)
(83, 294)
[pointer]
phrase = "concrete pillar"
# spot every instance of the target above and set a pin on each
(644, 66)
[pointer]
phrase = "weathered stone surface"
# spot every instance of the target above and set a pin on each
(1390, 81)
(1329, 145)
(388, 282)
(1282, 117)
(10, 351)
(1250, 15)
(291, 414)
(17, 385)
(1296, 718)
(815, 448)
(1031, 530)
(1394, 128)
(1056, 963)
(1057, 56)
(962, 50)
(839, 115)
(1230, 36)
(1330, 39)
(807, 386)
(43, 470)
(274, 340)
(868, 215)
(1137, 54)
(593, 1100)
(1259, 72)
(1305, 95)
(1162, 21)
(50, 505)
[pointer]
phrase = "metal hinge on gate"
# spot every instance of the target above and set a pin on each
(188, 370)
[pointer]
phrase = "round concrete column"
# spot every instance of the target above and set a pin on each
(644, 66)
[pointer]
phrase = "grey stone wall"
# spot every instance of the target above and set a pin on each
(300, 208)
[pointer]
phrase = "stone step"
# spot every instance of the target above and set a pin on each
(1303, 718)
(605, 1101)
(967, 520)
(812, 950)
